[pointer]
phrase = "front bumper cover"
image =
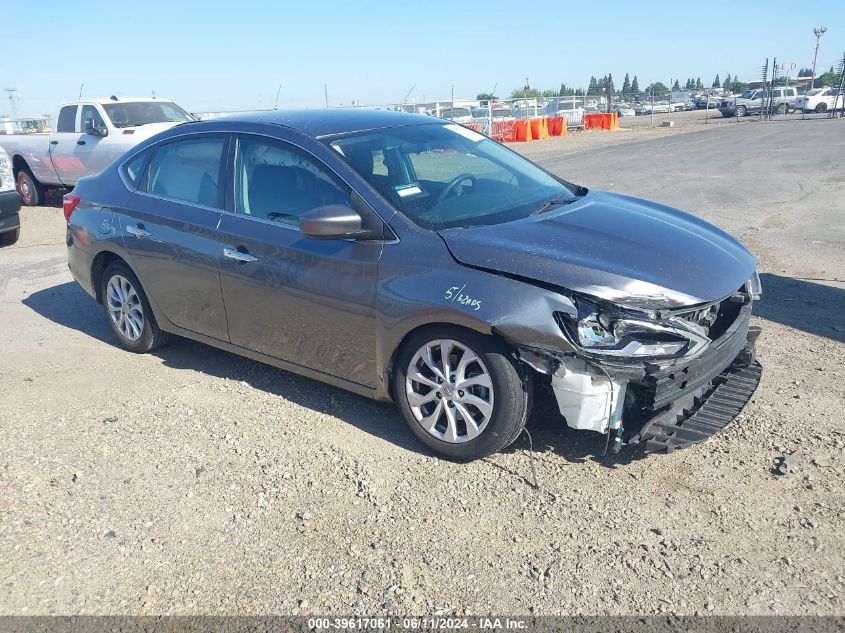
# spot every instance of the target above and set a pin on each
(707, 408)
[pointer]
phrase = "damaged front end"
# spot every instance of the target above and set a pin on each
(665, 378)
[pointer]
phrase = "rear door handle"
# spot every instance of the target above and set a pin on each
(54, 142)
(138, 231)
(80, 142)
(238, 256)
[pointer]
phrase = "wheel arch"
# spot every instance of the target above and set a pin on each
(475, 327)
(103, 260)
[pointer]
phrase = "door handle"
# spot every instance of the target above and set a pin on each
(138, 231)
(54, 142)
(238, 256)
(80, 142)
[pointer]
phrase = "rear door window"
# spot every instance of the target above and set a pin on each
(189, 171)
(67, 119)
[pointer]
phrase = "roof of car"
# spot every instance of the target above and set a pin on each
(331, 121)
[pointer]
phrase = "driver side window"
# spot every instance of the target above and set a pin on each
(89, 112)
(279, 183)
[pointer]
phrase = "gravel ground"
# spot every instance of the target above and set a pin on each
(193, 481)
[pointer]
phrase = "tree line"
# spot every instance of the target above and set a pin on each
(629, 89)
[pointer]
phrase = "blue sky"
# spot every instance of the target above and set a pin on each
(234, 56)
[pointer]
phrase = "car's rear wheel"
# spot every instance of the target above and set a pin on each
(462, 394)
(128, 311)
(822, 107)
(740, 111)
(782, 108)
(9, 237)
(29, 189)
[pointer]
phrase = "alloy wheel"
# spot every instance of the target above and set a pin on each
(449, 391)
(125, 309)
(25, 189)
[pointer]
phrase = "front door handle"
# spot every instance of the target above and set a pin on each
(138, 231)
(80, 142)
(238, 256)
(54, 142)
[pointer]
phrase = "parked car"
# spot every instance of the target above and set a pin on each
(405, 257)
(86, 138)
(10, 204)
(820, 100)
(622, 109)
(779, 100)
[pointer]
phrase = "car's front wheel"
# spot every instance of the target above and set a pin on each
(128, 310)
(822, 107)
(740, 111)
(462, 394)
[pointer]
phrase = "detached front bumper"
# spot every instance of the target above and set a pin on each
(706, 408)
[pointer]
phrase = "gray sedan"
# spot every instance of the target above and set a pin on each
(409, 258)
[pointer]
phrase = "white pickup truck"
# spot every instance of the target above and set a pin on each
(87, 137)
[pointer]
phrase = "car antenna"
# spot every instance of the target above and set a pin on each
(81, 86)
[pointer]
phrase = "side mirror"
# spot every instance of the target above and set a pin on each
(334, 222)
(93, 130)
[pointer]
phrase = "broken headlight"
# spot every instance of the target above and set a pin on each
(614, 332)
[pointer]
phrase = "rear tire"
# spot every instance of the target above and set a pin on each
(492, 379)
(30, 190)
(9, 237)
(822, 107)
(128, 311)
(782, 108)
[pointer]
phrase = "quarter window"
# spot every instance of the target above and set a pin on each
(134, 169)
(188, 170)
(67, 119)
(279, 183)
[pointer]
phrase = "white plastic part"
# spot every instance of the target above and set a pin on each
(586, 398)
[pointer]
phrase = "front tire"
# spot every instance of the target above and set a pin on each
(822, 107)
(471, 405)
(740, 111)
(128, 311)
(30, 190)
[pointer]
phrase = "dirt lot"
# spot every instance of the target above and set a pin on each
(194, 481)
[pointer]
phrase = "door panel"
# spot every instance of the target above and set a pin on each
(171, 234)
(309, 302)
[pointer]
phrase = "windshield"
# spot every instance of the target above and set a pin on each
(747, 94)
(448, 176)
(130, 114)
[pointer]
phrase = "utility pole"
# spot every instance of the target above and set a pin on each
(818, 33)
(13, 94)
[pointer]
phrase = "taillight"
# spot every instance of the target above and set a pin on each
(69, 203)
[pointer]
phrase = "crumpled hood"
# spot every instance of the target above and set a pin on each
(618, 248)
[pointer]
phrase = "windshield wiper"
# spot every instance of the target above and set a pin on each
(551, 202)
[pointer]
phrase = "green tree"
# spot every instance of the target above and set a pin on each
(716, 83)
(485, 96)
(525, 93)
(635, 86)
(676, 85)
(726, 84)
(626, 86)
(738, 86)
(657, 87)
(548, 93)
(593, 88)
(805, 72)
(698, 84)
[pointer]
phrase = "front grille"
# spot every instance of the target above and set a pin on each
(713, 319)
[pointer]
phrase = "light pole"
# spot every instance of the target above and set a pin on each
(818, 33)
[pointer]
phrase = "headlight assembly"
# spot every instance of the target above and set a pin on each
(614, 332)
